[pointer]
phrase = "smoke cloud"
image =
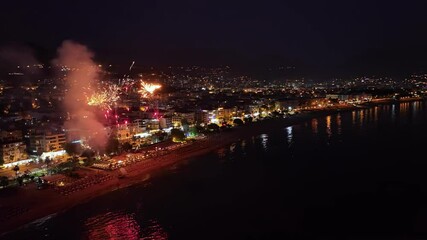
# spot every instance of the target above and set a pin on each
(80, 79)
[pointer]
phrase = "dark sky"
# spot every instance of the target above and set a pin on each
(324, 36)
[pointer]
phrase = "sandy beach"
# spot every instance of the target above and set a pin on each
(27, 204)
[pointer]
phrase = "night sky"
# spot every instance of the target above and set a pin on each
(323, 37)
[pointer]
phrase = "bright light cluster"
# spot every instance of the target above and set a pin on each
(108, 95)
(148, 89)
(106, 98)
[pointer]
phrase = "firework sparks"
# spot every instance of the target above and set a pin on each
(97, 99)
(106, 98)
(130, 68)
(148, 89)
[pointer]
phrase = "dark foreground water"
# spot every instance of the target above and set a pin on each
(354, 175)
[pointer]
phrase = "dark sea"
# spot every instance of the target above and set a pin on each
(354, 175)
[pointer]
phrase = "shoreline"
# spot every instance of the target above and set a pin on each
(48, 203)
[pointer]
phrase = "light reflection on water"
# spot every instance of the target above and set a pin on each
(264, 141)
(360, 121)
(415, 107)
(289, 135)
(120, 225)
(393, 112)
(243, 146)
(112, 226)
(404, 107)
(328, 128)
(376, 114)
(361, 115)
(339, 129)
(353, 117)
(314, 124)
(403, 112)
(129, 224)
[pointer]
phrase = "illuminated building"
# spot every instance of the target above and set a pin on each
(45, 141)
(226, 114)
(181, 115)
(165, 122)
(202, 117)
(9, 136)
(285, 104)
(123, 133)
(13, 152)
(53, 142)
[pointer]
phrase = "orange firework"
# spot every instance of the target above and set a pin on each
(148, 89)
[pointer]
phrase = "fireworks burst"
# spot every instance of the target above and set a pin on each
(148, 89)
(106, 98)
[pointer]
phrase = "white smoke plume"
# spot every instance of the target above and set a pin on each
(81, 76)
